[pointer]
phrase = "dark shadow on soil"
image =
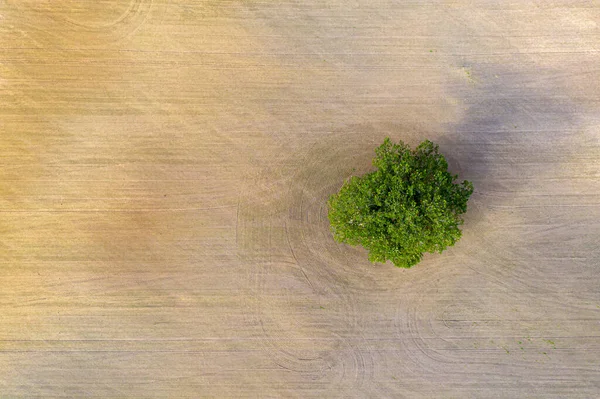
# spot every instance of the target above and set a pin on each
(515, 128)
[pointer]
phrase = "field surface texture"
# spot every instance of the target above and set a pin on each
(164, 171)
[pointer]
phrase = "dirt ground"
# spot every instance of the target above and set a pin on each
(164, 172)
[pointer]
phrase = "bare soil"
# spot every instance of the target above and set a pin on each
(164, 172)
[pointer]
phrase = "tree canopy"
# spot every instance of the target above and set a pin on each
(408, 206)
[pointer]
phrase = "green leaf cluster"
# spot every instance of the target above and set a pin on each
(408, 206)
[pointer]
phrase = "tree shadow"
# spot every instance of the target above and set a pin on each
(516, 128)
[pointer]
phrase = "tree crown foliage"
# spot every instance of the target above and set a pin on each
(408, 206)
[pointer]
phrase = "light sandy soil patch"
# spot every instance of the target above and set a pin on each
(163, 183)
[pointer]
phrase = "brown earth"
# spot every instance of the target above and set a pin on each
(164, 173)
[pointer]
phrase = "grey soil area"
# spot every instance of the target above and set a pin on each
(164, 172)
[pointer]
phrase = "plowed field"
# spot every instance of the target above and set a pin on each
(164, 171)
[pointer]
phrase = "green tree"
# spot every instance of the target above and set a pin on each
(408, 206)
